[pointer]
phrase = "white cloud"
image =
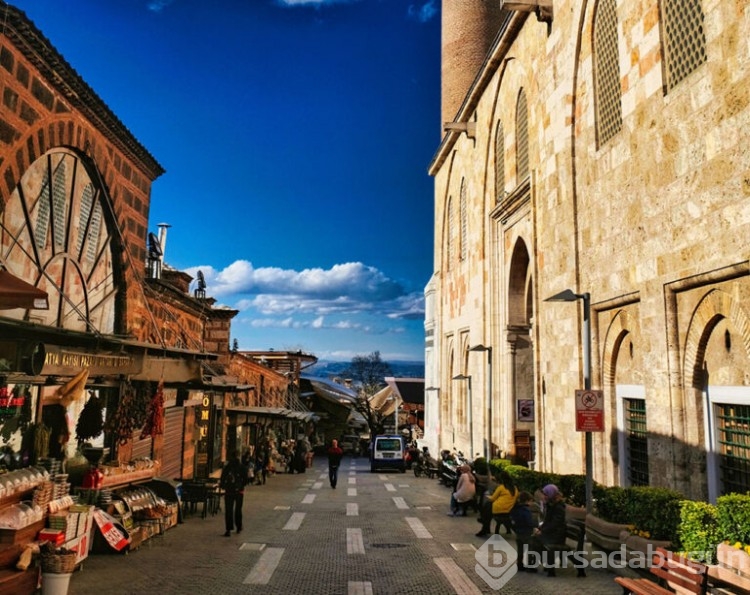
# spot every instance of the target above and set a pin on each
(423, 12)
(352, 280)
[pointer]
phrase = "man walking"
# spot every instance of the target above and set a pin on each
(334, 460)
(232, 481)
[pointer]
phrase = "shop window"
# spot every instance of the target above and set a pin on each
(684, 39)
(733, 434)
(636, 442)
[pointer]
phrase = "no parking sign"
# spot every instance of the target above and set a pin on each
(589, 411)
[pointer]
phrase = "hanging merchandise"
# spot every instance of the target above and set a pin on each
(74, 389)
(39, 435)
(91, 421)
(129, 416)
(155, 420)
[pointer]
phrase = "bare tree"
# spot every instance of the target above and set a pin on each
(368, 374)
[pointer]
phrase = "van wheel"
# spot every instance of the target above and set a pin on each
(372, 469)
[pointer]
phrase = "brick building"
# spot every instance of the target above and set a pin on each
(75, 193)
(598, 146)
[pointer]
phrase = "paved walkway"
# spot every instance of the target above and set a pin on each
(375, 533)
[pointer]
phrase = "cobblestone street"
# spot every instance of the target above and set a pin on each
(375, 533)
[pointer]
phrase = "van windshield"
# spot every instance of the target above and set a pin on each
(388, 444)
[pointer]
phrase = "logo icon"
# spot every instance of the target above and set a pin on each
(496, 562)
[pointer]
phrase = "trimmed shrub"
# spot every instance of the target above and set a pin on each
(611, 504)
(733, 518)
(655, 510)
(698, 532)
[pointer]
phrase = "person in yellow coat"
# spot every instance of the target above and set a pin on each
(500, 503)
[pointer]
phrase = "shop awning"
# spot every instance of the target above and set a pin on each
(17, 293)
(271, 412)
(274, 413)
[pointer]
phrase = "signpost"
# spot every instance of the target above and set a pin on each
(589, 411)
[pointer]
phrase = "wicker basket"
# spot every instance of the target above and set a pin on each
(58, 563)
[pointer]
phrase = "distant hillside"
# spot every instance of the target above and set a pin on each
(325, 369)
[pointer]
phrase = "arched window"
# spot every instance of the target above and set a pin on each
(464, 239)
(684, 39)
(607, 84)
(522, 138)
(499, 162)
(449, 234)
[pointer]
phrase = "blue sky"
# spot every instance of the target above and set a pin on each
(296, 136)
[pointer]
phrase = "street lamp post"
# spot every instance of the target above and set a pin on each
(488, 429)
(570, 296)
(471, 415)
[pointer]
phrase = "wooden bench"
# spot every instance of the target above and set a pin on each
(670, 569)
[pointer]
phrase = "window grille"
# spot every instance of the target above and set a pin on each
(522, 138)
(463, 240)
(733, 433)
(636, 441)
(685, 39)
(499, 162)
(449, 235)
(607, 71)
(42, 218)
(87, 202)
(59, 203)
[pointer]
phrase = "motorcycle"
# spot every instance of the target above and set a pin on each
(424, 464)
(448, 468)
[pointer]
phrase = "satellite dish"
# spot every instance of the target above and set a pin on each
(154, 247)
(201, 281)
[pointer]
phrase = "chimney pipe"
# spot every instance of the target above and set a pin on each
(163, 238)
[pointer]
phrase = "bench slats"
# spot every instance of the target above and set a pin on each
(641, 586)
(673, 569)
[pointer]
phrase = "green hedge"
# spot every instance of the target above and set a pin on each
(699, 531)
(693, 527)
(733, 518)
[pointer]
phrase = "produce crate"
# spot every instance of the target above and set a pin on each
(26, 534)
(137, 537)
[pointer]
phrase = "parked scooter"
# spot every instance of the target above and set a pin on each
(448, 468)
(424, 464)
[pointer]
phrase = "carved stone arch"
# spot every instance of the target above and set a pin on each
(447, 408)
(714, 306)
(519, 285)
(59, 228)
(62, 131)
(618, 329)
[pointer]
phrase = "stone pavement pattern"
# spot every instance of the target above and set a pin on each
(375, 534)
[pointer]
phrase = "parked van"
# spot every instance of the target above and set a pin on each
(387, 452)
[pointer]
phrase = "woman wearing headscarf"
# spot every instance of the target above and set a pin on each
(552, 530)
(465, 491)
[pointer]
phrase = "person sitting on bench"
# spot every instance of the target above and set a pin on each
(465, 491)
(553, 530)
(524, 522)
(499, 504)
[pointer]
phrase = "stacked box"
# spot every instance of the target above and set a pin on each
(52, 535)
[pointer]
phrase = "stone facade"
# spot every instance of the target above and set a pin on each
(651, 221)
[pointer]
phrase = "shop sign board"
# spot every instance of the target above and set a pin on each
(589, 411)
(61, 360)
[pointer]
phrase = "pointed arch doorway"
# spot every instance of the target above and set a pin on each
(520, 406)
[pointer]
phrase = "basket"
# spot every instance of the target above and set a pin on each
(58, 563)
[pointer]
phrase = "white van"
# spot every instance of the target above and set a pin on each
(387, 452)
